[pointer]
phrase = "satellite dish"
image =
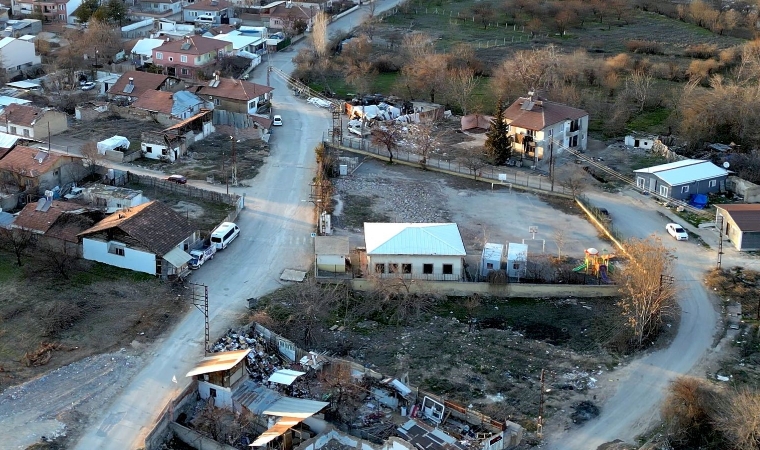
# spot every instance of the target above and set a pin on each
(726, 165)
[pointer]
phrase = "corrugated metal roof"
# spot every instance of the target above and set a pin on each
(254, 397)
(7, 140)
(177, 257)
(746, 216)
(331, 245)
(295, 407)
(685, 171)
(517, 252)
(413, 239)
(183, 101)
(219, 361)
(285, 376)
(276, 431)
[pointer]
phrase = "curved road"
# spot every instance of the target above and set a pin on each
(643, 383)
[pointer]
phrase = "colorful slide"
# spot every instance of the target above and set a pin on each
(579, 268)
(603, 273)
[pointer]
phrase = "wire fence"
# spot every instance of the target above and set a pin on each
(602, 217)
(501, 175)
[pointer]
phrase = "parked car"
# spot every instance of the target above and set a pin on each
(201, 256)
(179, 179)
(86, 86)
(277, 120)
(677, 232)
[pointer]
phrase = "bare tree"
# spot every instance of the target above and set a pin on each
(646, 286)
(461, 82)
(560, 239)
(424, 140)
(484, 13)
(393, 296)
(471, 304)
(740, 421)
(388, 135)
(525, 70)
(91, 157)
(58, 259)
(319, 38)
(425, 76)
(17, 240)
(688, 410)
(472, 159)
(639, 87)
(575, 184)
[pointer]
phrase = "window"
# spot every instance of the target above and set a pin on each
(171, 58)
(379, 268)
(684, 189)
(531, 133)
(217, 102)
(183, 58)
(550, 132)
(664, 191)
(406, 268)
(148, 149)
(61, 6)
(640, 182)
(516, 266)
(212, 392)
(159, 55)
(13, 130)
(574, 141)
(184, 71)
(252, 104)
(448, 269)
(26, 132)
(575, 125)
(55, 173)
(712, 183)
(427, 269)
(489, 266)
(393, 268)
(61, 16)
(116, 249)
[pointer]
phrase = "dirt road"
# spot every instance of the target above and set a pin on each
(641, 386)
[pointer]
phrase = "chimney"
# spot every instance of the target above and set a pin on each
(131, 80)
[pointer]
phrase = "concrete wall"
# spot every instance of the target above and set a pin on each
(331, 263)
(223, 395)
(750, 191)
(522, 290)
(195, 439)
(136, 260)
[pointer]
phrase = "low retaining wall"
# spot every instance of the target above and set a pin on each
(522, 290)
(195, 439)
(748, 190)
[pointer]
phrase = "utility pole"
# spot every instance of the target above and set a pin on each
(540, 422)
(551, 162)
(720, 240)
(224, 171)
(234, 163)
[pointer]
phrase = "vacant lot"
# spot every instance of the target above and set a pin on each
(112, 126)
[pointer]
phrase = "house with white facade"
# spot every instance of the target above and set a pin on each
(17, 55)
(32, 122)
(50, 10)
(214, 11)
(150, 238)
(218, 374)
(142, 52)
(112, 198)
(541, 128)
(430, 251)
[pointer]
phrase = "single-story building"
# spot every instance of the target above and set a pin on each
(741, 224)
(331, 253)
(218, 374)
(150, 238)
(35, 170)
(517, 260)
(681, 180)
(431, 251)
(112, 198)
(56, 223)
(491, 258)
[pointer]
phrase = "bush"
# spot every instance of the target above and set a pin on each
(387, 64)
(701, 51)
(59, 316)
(644, 47)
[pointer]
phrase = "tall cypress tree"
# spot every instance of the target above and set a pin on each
(497, 143)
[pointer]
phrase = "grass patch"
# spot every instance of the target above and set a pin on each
(104, 272)
(650, 121)
(8, 268)
(648, 160)
(693, 218)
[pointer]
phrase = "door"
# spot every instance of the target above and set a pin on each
(664, 191)
(652, 184)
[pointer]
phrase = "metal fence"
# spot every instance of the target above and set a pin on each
(184, 189)
(602, 218)
(505, 176)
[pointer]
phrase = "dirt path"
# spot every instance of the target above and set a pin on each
(642, 385)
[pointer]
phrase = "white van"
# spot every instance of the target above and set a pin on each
(224, 234)
(204, 19)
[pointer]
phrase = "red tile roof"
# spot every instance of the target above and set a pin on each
(541, 114)
(295, 12)
(41, 221)
(746, 216)
(143, 81)
(263, 121)
(155, 101)
(154, 224)
(209, 5)
(199, 45)
(22, 160)
(24, 115)
(235, 89)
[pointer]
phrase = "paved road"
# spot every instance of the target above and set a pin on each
(276, 226)
(635, 405)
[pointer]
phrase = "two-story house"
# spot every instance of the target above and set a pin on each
(133, 84)
(540, 127)
(212, 12)
(163, 9)
(51, 10)
(285, 16)
(238, 96)
(188, 57)
(17, 55)
(32, 122)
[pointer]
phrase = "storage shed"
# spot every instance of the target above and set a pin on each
(491, 259)
(741, 224)
(331, 253)
(517, 259)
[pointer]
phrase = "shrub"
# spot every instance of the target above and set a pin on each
(387, 64)
(644, 47)
(701, 51)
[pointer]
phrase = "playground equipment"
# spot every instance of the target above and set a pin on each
(596, 263)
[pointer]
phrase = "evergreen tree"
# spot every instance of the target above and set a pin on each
(498, 145)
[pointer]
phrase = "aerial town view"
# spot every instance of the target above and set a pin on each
(380, 224)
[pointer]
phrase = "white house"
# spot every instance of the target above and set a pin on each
(150, 238)
(432, 251)
(331, 253)
(17, 54)
(112, 198)
(517, 260)
(541, 128)
(142, 52)
(242, 42)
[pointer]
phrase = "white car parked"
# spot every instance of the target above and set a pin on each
(677, 232)
(277, 121)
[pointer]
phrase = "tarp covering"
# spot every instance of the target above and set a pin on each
(112, 143)
(285, 376)
(474, 121)
(177, 257)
